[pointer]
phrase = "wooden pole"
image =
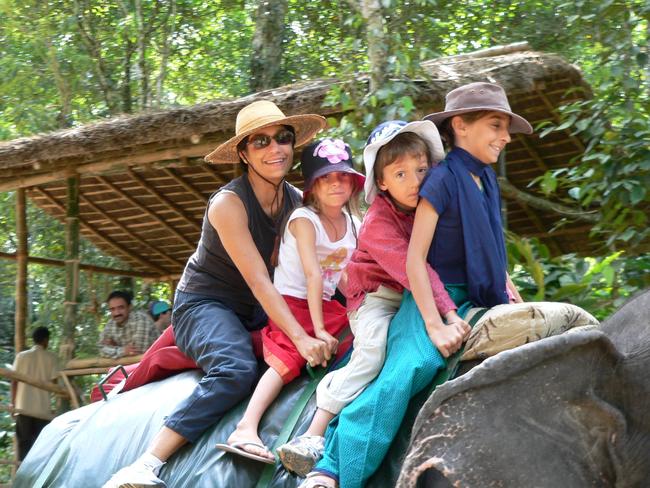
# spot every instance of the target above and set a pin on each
(88, 267)
(21, 271)
(25, 378)
(71, 268)
(501, 163)
(172, 290)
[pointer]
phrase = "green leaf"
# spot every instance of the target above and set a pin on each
(548, 183)
(637, 194)
(569, 290)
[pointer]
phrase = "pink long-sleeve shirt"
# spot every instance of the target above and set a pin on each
(380, 257)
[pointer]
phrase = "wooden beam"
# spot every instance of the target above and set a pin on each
(556, 119)
(126, 230)
(510, 191)
(129, 254)
(215, 175)
(185, 184)
(72, 260)
(151, 214)
(565, 231)
(172, 290)
(168, 203)
(86, 371)
(86, 267)
(533, 153)
(502, 171)
(51, 387)
(72, 394)
(98, 167)
(101, 362)
(20, 318)
(532, 216)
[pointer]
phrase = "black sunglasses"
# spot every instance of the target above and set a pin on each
(260, 141)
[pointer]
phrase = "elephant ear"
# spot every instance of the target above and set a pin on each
(629, 327)
(541, 415)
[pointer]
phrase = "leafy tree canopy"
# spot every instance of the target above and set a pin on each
(67, 62)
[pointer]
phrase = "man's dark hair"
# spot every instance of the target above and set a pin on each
(124, 295)
(40, 335)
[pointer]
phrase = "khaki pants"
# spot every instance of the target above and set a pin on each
(369, 324)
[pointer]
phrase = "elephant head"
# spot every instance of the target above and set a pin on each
(570, 410)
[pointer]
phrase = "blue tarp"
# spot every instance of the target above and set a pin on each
(84, 447)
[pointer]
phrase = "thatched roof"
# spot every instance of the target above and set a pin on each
(144, 184)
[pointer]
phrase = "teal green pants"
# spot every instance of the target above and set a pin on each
(358, 439)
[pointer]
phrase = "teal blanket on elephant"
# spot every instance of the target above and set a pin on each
(359, 438)
(84, 447)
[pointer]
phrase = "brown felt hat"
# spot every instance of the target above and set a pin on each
(258, 115)
(480, 96)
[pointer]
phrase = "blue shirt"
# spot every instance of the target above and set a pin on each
(447, 252)
(468, 246)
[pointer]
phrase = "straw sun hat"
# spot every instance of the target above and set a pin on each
(258, 115)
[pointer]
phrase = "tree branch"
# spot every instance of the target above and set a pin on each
(508, 190)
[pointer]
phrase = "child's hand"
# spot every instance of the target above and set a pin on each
(331, 341)
(453, 318)
(448, 338)
(315, 351)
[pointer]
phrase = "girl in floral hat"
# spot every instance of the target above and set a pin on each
(317, 242)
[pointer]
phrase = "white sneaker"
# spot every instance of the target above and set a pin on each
(299, 455)
(134, 476)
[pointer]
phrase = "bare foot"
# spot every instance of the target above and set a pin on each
(247, 440)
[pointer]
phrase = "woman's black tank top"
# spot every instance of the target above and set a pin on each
(211, 272)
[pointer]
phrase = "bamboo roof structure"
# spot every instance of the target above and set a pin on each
(144, 184)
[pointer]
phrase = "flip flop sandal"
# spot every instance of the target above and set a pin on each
(238, 448)
(318, 480)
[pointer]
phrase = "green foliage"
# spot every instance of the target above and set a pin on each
(614, 172)
(600, 285)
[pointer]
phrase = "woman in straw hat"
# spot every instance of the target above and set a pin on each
(226, 290)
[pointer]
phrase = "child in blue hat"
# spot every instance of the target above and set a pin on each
(397, 156)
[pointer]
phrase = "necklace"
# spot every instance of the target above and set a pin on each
(333, 226)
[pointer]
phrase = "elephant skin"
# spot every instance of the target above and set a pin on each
(568, 411)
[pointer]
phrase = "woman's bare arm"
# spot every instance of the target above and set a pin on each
(228, 217)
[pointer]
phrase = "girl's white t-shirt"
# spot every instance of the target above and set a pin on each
(289, 276)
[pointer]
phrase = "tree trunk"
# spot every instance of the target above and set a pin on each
(127, 99)
(142, 40)
(169, 28)
(266, 58)
(377, 42)
(93, 46)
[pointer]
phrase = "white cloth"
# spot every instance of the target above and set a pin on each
(369, 324)
(42, 365)
(289, 277)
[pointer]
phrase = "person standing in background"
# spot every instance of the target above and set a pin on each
(31, 404)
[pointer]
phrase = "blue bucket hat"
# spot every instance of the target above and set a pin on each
(386, 132)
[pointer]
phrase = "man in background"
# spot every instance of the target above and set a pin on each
(32, 405)
(128, 332)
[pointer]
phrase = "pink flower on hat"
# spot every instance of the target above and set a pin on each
(333, 150)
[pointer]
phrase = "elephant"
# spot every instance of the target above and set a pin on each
(570, 410)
